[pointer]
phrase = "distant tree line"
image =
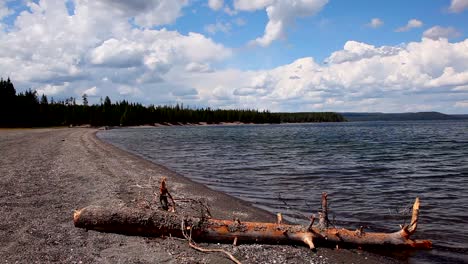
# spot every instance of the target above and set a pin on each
(310, 117)
(27, 109)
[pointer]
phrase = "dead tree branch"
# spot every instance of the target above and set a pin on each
(133, 221)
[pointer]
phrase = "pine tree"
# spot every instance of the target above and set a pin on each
(7, 102)
(85, 99)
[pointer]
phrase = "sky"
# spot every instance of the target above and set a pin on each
(277, 55)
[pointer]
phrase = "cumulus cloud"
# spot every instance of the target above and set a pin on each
(118, 53)
(375, 23)
(449, 78)
(147, 13)
(281, 14)
(96, 46)
(354, 51)
(413, 23)
(360, 76)
(51, 90)
(215, 4)
(457, 6)
(437, 32)
(252, 5)
(414, 66)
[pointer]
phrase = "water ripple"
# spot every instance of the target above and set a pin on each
(372, 171)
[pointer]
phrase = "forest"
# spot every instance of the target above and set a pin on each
(28, 109)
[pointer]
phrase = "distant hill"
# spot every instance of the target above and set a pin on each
(401, 116)
(461, 116)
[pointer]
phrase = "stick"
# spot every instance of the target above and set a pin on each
(195, 246)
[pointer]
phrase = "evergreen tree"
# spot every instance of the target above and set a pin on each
(44, 100)
(85, 99)
(7, 102)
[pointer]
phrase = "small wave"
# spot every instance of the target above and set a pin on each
(372, 171)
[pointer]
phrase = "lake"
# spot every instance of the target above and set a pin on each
(372, 172)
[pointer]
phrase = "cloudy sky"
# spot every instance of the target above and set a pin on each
(281, 55)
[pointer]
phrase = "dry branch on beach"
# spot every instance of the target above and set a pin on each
(159, 223)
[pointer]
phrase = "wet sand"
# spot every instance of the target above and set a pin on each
(45, 174)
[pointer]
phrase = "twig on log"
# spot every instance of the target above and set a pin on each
(279, 218)
(312, 220)
(163, 194)
(206, 250)
(323, 215)
(411, 228)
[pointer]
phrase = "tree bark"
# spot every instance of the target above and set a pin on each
(131, 221)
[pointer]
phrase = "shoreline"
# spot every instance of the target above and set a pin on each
(47, 173)
(183, 186)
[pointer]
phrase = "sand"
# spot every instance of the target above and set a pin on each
(45, 174)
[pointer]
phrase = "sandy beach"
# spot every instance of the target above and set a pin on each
(45, 174)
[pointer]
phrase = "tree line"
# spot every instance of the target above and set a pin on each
(27, 109)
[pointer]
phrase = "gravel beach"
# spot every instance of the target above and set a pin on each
(45, 174)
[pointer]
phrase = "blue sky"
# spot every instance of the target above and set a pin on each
(320, 35)
(281, 55)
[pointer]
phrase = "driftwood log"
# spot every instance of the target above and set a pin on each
(158, 223)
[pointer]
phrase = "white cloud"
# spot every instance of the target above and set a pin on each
(197, 47)
(450, 77)
(91, 91)
(281, 14)
(229, 11)
(413, 23)
(252, 5)
(51, 90)
(198, 67)
(147, 13)
(461, 88)
(457, 6)
(159, 50)
(118, 53)
(354, 50)
(95, 46)
(4, 11)
(215, 4)
(129, 90)
(462, 104)
(437, 32)
(218, 27)
(411, 77)
(375, 23)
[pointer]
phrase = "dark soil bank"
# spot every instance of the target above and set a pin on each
(45, 174)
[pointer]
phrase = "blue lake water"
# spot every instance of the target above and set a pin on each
(372, 171)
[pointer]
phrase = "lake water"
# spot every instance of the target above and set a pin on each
(372, 171)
